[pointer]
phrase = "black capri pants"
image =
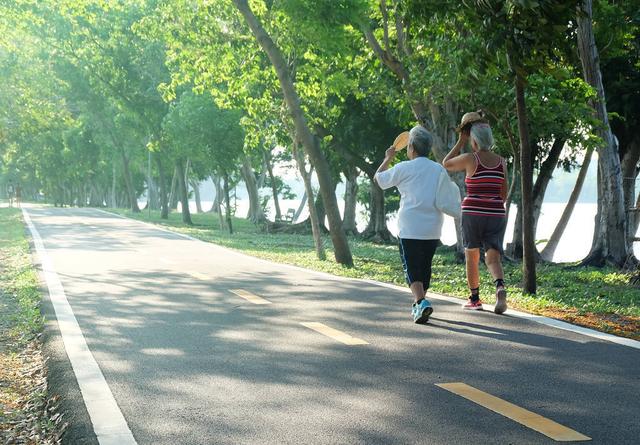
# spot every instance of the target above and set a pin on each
(417, 256)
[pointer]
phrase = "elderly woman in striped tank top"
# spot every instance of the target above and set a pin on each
(483, 213)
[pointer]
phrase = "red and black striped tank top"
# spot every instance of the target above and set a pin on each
(483, 190)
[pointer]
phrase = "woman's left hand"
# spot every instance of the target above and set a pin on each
(464, 135)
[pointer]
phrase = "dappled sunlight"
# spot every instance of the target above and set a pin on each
(236, 359)
(162, 352)
(230, 343)
(316, 135)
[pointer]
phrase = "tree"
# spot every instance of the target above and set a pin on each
(197, 129)
(617, 34)
(530, 34)
(557, 104)
(363, 131)
(551, 246)
(303, 133)
(99, 42)
(610, 240)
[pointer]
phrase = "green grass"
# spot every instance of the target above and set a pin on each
(587, 290)
(18, 279)
(25, 409)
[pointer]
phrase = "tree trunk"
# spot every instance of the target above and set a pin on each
(514, 249)
(195, 185)
(255, 214)
(303, 134)
(321, 212)
(377, 230)
(539, 190)
(104, 196)
(274, 186)
(227, 201)
(350, 200)
(154, 195)
(630, 170)
(513, 186)
(526, 181)
(151, 195)
(442, 124)
(303, 202)
(610, 243)
(636, 221)
(122, 201)
(173, 195)
(187, 172)
(313, 216)
(128, 181)
(552, 244)
(113, 202)
(217, 200)
(95, 199)
(182, 190)
(164, 203)
(544, 176)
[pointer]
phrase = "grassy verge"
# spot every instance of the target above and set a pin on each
(597, 298)
(26, 414)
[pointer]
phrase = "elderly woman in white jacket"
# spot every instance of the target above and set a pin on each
(419, 221)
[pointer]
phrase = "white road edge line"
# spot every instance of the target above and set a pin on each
(513, 313)
(108, 422)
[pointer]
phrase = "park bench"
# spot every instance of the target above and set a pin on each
(288, 217)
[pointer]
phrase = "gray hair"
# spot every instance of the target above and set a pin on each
(482, 135)
(420, 140)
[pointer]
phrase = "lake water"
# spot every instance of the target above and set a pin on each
(574, 245)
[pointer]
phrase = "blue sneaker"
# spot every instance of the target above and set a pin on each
(421, 312)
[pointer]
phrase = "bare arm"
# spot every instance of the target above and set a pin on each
(505, 185)
(388, 157)
(454, 161)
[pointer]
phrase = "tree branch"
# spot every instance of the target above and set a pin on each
(385, 23)
(373, 43)
(400, 27)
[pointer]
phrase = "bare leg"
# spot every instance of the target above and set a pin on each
(494, 264)
(417, 290)
(473, 273)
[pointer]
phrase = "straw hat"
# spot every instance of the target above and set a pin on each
(402, 140)
(470, 118)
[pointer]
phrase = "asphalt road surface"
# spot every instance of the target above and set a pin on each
(196, 344)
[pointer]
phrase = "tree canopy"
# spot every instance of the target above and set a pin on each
(106, 101)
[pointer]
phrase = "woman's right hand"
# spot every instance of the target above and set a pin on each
(390, 153)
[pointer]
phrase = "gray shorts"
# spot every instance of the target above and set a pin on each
(483, 231)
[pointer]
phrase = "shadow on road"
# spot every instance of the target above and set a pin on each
(244, 367)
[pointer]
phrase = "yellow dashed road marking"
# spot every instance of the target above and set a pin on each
(334, 333)
(198, 275)
(525, 417)
(249, 296)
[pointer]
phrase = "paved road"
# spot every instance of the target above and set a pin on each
(188, 361)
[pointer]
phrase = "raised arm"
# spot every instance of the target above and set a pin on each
(454, 161)
(388, 157)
